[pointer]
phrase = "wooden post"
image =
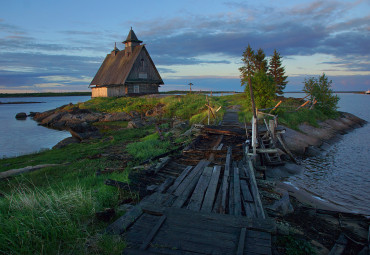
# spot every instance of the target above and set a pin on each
(272, 128)
(254, 120)
(211, 92)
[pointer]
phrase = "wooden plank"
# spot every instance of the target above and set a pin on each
(240, 250)
(217, 206)
(225, 181)
(212, 220)
(211, 190)
(237, 199)
(185, 183)
(196, 198)
(165, 185)
(218, 142)
(125, 221)
(231, 196)
(153, 232)
(180, 179)
(220, 147)
(183, 197)
(254, 189)
(247, 196)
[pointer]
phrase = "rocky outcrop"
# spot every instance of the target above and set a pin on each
(304, 141)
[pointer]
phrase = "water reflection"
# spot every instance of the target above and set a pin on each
(341, 174)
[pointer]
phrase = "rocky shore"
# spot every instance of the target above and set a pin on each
(309, 140)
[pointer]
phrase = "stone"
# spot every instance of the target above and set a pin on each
(21, 116)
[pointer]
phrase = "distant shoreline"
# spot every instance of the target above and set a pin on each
(45, 94)
(61, 94)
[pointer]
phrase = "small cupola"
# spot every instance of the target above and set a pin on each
(131, 42)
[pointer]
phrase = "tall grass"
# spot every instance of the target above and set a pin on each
(34, 221)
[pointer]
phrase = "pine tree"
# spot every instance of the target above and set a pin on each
(277, 71)
(260, 63)
(248, 69)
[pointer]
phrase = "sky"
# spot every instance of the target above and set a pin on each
(57, 46)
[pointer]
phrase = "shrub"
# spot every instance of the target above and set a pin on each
(320, 89)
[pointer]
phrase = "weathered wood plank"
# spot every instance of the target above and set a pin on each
(218, 142)
(165, 185)
(237, 199)
(211, 190)
(247, 196)
(196, 198)
(231, 195)
(217, 206)
(125, 221)
(180, 179)
(153, 232)
(240, 249)
(339, 245)
(254, 189)
(225, 181)
(183, 197)
(185, 183)
(211, 220)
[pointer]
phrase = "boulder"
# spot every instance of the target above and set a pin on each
(65, 142)
(52, 118)
(84, 131)
(21, 116)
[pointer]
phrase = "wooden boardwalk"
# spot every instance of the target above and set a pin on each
(212, 207)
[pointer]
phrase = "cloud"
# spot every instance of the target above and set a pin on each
(49, 85)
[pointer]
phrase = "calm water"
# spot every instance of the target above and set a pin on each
(341, 175)
(19, 137)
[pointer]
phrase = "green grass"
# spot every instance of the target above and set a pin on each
(52, 210)
(149, 147)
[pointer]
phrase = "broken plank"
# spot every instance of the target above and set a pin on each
(237, 199)
(254, 188)
(211, 190)
(153, 232)
(180, 189)
(196, 199)
(180, 179)
(225, 181)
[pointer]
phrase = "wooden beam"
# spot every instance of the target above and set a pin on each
(180, 179)
(254, 189)
(196, 198)
(209, 197)
(225, 181)
(237, 199)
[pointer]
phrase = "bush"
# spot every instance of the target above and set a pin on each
(320, 89)
(263, 90)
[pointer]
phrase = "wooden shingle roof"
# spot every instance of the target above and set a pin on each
(116, 68)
